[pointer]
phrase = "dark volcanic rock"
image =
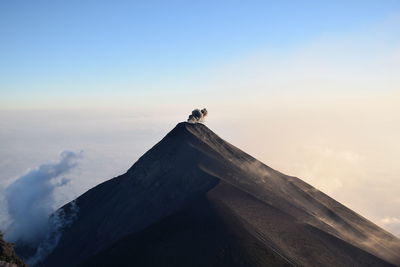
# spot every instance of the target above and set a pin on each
(8, 258)
(195, 236)
(196, 200)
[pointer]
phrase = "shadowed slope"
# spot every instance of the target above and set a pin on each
(292, 221)
(231, 228)
(158, 184)
(195, 236)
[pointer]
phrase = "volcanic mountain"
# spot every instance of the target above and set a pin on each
(196, 200)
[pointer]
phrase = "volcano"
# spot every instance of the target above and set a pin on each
(196, 200)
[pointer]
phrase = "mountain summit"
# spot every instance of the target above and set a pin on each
(196, 200)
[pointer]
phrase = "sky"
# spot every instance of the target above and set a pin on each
(81, 53)
(310, 88)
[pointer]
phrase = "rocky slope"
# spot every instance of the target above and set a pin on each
(8, 258)
(196, 200)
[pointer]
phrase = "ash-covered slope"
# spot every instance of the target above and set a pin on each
(248, 214)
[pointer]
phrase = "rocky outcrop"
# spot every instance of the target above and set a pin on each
(8, 258)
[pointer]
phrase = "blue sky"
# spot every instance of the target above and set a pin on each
(52, 50)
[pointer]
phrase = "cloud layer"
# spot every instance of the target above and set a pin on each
(30, 198)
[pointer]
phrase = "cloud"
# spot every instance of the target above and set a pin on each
(30, 199)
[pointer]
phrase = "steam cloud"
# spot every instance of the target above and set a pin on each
(30, 199)
(197, 115)
(59, 220)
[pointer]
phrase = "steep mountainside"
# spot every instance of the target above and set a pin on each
(196, 200)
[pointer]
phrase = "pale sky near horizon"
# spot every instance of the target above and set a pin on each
(310, 88)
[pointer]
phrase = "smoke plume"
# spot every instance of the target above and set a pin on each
(30, 199)
(59, 220)
(197, 115)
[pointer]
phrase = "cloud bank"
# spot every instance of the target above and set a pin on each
(30, 199)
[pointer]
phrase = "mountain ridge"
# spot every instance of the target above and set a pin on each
(192, 162)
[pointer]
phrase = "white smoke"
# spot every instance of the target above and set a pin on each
(30, 199)
(197, 115)
(59, 220)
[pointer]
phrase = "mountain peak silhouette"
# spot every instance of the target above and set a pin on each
(196, 200)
